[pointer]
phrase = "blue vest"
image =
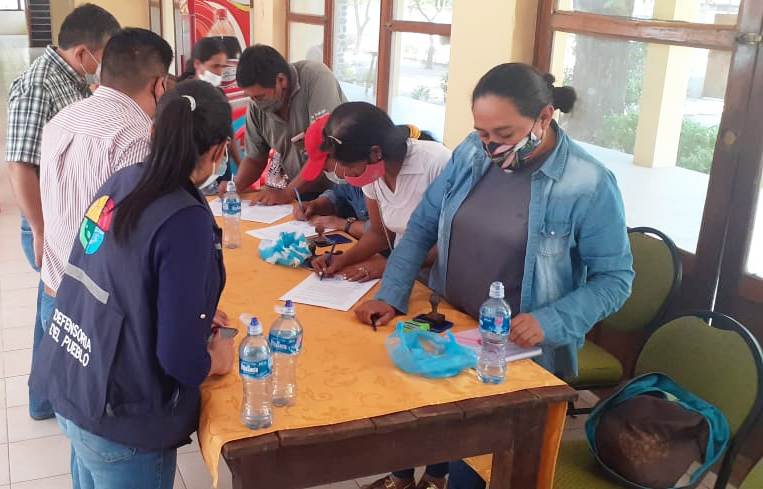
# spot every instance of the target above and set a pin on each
(97, 364)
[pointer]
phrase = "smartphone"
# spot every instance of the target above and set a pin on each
(330, 239)
(225, 332)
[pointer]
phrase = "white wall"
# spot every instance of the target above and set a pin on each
(12, 23)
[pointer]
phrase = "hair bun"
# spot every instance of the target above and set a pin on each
(564, 98)
(550, 79)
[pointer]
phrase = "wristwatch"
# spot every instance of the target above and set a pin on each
(348, 224)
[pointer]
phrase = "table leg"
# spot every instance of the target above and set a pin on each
(518, 467)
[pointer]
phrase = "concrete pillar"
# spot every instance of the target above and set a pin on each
(499, 31)
(666, 77)
(268, 24)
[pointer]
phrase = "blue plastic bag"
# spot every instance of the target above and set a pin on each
(428, 354)
(289, 250)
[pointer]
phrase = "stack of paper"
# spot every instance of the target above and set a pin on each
(331, 292)
(471, 338)
(266, 214)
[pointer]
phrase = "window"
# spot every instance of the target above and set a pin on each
(393, 53)
(666, 90)
(11, 5)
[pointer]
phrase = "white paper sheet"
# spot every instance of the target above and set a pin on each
(331, 292)
(273, 232)
(267, 214)
(472, 339)
(217, 207)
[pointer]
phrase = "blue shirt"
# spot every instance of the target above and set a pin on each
(347, 198)
(578, 265)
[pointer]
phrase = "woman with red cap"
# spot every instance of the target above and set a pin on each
(392, 166)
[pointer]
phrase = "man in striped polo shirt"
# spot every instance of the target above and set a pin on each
(58, 78)
(87, 142)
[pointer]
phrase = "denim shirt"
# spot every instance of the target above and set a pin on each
(348, 200)
(578, 265)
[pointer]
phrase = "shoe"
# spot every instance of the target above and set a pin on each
(390, 482)
(42, 417)
(428, 482)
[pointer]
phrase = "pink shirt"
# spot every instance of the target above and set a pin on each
(82, 146)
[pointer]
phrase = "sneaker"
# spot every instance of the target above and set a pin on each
(428, 482)
(390, 482)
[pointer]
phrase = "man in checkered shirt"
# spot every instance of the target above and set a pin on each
(58, 78)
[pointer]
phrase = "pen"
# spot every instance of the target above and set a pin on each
(328, 260)
(374, 317)
(299, 199)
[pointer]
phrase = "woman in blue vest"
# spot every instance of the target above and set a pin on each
(131, 341)
(520, 203)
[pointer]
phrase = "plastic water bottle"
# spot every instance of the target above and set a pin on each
(231, 217)
(286, 343)
(495, 318)
(255, 368)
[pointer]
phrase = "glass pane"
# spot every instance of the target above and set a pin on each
(418, 81)
(356, 47)
(305, 42)
(701, 11)
(755, 258)
(312, 7)
(650, 113)
(437, 11)
(9, 4)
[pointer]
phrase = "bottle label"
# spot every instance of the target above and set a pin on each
(231, 206)
(255, 370)
(497, 324)
(285, 346)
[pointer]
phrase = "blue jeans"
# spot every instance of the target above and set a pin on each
(39, 408)
(98, 463)
(464, 477)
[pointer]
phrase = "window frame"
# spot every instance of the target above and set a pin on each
(387, 29)
(716, 273)
(18, 8)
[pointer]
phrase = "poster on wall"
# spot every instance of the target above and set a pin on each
(229, 20)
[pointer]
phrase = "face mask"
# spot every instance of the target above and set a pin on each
(512, 157)
(92, 78)
(333, 177)
(222, 166)
(372, 173)
(212, 78)
(269, 104)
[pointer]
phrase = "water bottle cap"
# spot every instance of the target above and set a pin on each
(496, 290)
(288, 309)
(231, 187)
(255, 328)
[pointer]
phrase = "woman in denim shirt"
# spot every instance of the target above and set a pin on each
(567, 268)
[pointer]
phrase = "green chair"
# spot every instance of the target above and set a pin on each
(707, 353)
(658, 277)
(754, 479)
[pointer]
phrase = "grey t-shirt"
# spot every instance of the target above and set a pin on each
(489, 239)
(315, 91)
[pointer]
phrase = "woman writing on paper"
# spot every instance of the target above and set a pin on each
(393, 169)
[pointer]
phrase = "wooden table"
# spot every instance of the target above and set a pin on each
(522, 428)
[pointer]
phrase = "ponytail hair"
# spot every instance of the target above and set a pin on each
(190, 120)
(354, 127)
(202, 52)
(528, 88)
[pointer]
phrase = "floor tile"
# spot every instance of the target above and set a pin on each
(339, 485)
(5, 476)
(26, 297)
(17, 338)
(193, 447)
(15, 281)
(17, 362)
(18, 316)
(60, 482)
(26, 457)
(3, 429)
(179, 484)
(17, 391)
(194, 471)
(21, 427)
(368, 480)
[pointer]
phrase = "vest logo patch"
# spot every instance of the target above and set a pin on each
(96, 224)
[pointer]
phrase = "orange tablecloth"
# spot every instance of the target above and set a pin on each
(344, 373)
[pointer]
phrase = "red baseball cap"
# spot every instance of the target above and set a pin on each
(316, 159)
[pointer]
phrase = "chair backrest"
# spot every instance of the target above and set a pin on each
(719, 360)
(754, 479)
(658, 276)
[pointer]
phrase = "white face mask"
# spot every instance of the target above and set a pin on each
(221, 167)
(333, 177)
(212, 78)
(93, 78)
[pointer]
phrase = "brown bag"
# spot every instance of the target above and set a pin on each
(651, 441)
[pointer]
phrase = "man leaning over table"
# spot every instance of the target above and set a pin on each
(286, 98)
(58, 78)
